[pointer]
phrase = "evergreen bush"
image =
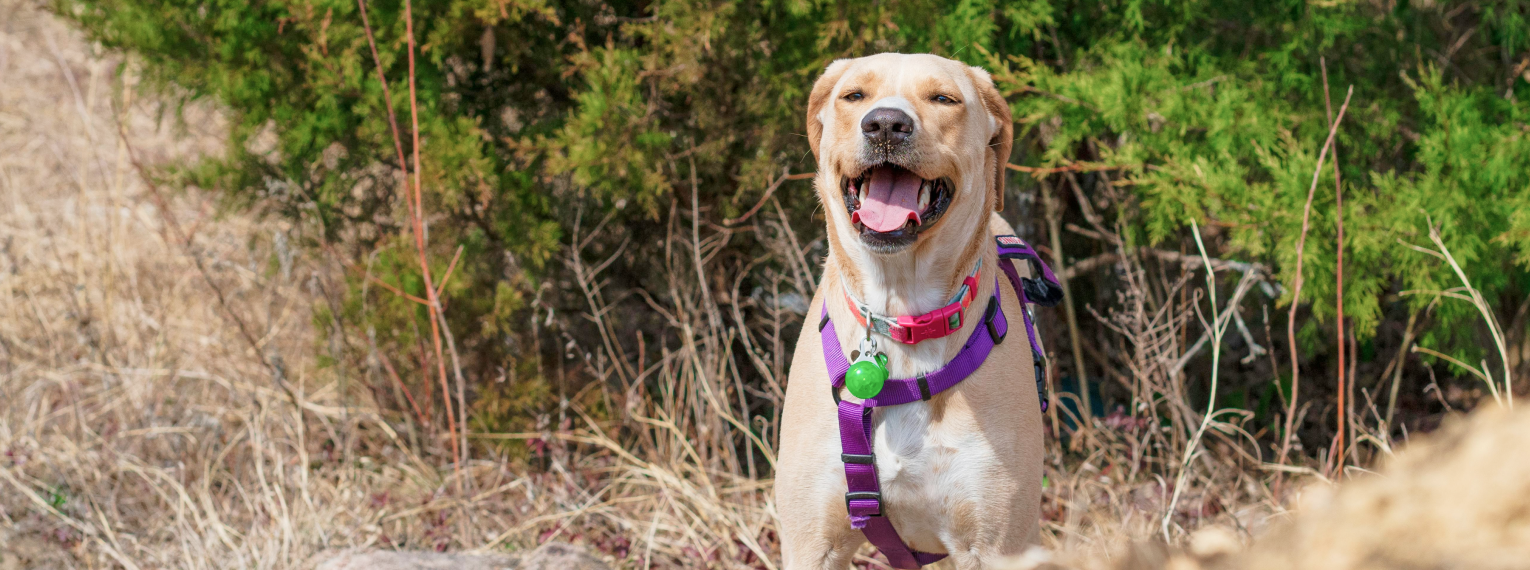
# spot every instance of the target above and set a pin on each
(555, 128)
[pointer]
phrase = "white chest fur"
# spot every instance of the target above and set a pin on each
(929, 473)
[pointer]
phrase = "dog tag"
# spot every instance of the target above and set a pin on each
(867, 375)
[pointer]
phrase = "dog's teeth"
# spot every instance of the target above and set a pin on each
(861, 192)
(924, 196)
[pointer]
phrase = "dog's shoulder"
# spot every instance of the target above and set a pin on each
(998, 227)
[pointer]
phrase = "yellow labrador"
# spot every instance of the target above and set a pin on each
(911, 152)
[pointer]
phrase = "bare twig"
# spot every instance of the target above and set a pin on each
(441, 287)
(1039, 171)
(456, 422)
(769, 190)
(1088, 210)
(1505, 396)
(1244, 286)
(369, 277)
(393, 374)
(1395, 367)
(1218, 326)
(185, 239)
(1053, 204)
(1082, 266)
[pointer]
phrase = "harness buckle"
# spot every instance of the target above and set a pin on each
(988, 320)
(867, 459)
(864, 496)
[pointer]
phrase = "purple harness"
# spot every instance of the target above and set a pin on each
(864, 499)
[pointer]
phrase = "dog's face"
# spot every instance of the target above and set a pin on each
(907, 147)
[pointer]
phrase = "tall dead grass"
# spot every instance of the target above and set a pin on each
(164, 403)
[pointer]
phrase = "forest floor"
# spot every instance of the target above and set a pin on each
(163, 402)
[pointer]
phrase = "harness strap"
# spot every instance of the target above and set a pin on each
(1042, 289)
(1038, 356)
(863, 501)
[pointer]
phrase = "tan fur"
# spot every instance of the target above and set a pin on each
(1456, 499)
(960, 473)
(1459, 499)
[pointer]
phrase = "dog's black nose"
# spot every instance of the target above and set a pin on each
(887, 125)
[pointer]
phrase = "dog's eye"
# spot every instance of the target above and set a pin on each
(944, 100)
(854, 96)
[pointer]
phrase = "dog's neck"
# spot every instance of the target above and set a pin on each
(912, 282)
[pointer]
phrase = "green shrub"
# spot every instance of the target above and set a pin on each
(538, 117)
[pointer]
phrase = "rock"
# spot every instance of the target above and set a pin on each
(550, 556)
(1457, 499)
(385, 560)
(561, 556)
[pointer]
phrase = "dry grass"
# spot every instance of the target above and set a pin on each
(138, 427)
(164, 404)
(141, 429)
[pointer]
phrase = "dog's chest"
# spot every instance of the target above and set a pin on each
(933, 473)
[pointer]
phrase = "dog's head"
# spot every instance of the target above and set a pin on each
(909, 147)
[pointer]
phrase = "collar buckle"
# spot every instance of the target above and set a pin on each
(913, 329)
(934, 324)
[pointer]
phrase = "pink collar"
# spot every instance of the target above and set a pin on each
(913, 329)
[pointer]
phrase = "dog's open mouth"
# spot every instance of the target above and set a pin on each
(889, 205)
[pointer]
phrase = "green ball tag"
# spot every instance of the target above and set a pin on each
(866, 377)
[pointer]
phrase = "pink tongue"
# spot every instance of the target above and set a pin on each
(890, 200)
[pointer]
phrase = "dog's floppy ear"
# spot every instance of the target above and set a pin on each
(1004, 129)
(823, 91)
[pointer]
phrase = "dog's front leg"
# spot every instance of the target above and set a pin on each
(982, 539)
(810, 478)
(978, 559)
(814, 527)
(817, 548)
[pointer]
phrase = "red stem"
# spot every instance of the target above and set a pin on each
(416, 204)
(419, 243)
(1296, 290)
(1339, 453)
(419, 415)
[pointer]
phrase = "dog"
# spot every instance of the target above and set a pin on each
(911, 152)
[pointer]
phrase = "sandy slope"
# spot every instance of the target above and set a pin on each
(122, 383)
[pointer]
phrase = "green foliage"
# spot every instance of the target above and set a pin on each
(538, 117)
(1216, 111)
(610, 143)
